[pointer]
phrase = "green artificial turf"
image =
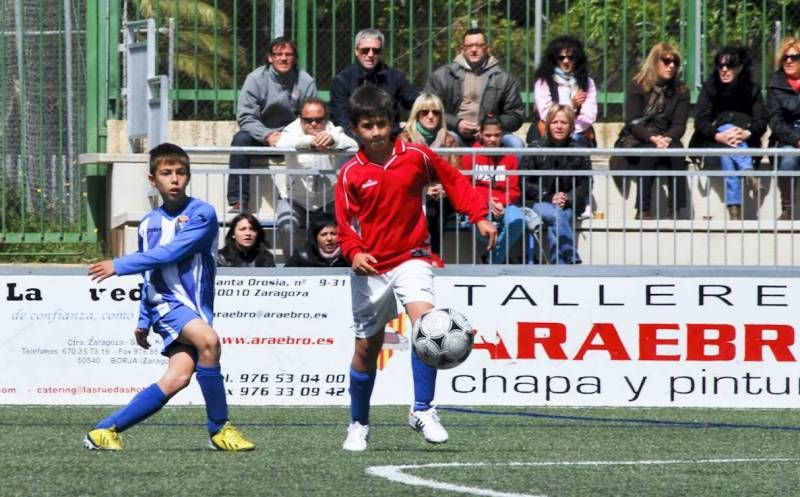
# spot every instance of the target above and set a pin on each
(559, 453)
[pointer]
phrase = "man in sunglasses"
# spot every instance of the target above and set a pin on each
(269, 100)
(304, 196)
(369, 69)
(474, 86)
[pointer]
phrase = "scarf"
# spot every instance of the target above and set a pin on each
(330, 256)
(794, 83)
(567, 85)
(427, 135)
(657, 101)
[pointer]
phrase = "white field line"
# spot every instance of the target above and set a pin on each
(397, 474)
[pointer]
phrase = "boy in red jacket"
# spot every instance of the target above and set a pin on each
(500, 190)
(383, 233)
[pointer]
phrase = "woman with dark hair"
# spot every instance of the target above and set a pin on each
(245, 245)
(656, 111)
(563, 78)
(322, 248)
(730, 113)
(783, 109)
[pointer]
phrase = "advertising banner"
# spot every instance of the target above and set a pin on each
(287, 340)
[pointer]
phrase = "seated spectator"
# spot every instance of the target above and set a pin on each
(322, 248)
(245, 245)
(269, 100)
(730, 113)
(656, 111)
(369, 69)
(501, 190)
(562, 78)
(426, 126)
(474, 86)
(556, 199)
(783, 109)
(302, 195)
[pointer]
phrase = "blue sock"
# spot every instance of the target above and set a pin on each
(142, 406)
(213, 388)
(424, 383)
(360, 392)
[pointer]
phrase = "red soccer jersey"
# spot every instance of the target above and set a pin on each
(379, 207)
(504, 188)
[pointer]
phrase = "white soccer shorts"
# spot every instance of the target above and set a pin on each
(375, 298)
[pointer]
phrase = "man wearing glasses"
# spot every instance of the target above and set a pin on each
(269, 100)
(304, 196)
(369, 69)
(474, 86)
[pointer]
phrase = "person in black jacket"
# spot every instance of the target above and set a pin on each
(322, 248)
(557, 199)
(656, 112)
(783, 108)
(730, 113)
(369, 69)
(245, 245)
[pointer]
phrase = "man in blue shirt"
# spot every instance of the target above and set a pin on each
(177, 244)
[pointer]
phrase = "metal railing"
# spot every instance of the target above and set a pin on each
(699, 235)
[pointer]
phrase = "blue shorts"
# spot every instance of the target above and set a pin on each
(171, 324)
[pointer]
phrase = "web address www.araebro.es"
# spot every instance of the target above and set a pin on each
(259, 314)
(284, 340)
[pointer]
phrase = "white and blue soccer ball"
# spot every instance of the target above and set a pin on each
(442, 338)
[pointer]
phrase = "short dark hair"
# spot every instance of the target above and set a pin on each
(280, 41)
(477, 31)
(169, 153)
(490, 120)
(320, 221)
(369, 101)
(252, 221)
(317, 101)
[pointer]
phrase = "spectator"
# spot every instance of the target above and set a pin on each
(302, 195)
(426, 126)
(369, 69)
(501, 190)
(245, 245)
(730, 113)
(563, 78)
(269, 100)
(656, 111)
(783, 108)
(322, 248)
(474, 86)
(556, 199)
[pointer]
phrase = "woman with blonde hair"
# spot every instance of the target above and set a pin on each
(656, 111)
(426, 126)
(783, 109)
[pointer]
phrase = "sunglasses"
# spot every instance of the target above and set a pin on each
(365, 51)
(425, 112)
(795, 57)
(728, 65)
(668, 61)
(315, 120)
(565, 57)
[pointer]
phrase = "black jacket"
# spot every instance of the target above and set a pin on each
(542, 188)
(387, 78)
(230, 256)
(783, 109)
(740, 102)
(309, 257)
(672, 121)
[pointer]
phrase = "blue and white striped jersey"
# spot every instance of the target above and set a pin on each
(176, 258)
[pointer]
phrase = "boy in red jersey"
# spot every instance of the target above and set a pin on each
(383, 233)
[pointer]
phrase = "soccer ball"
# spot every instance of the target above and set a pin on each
(442, 338)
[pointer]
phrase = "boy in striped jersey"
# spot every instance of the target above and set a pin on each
(177, 244)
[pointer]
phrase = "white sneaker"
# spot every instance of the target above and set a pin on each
(357, 436)
(587, 212)
(427, 422)
(394, 341)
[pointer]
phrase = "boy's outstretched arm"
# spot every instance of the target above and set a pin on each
(101, 270)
